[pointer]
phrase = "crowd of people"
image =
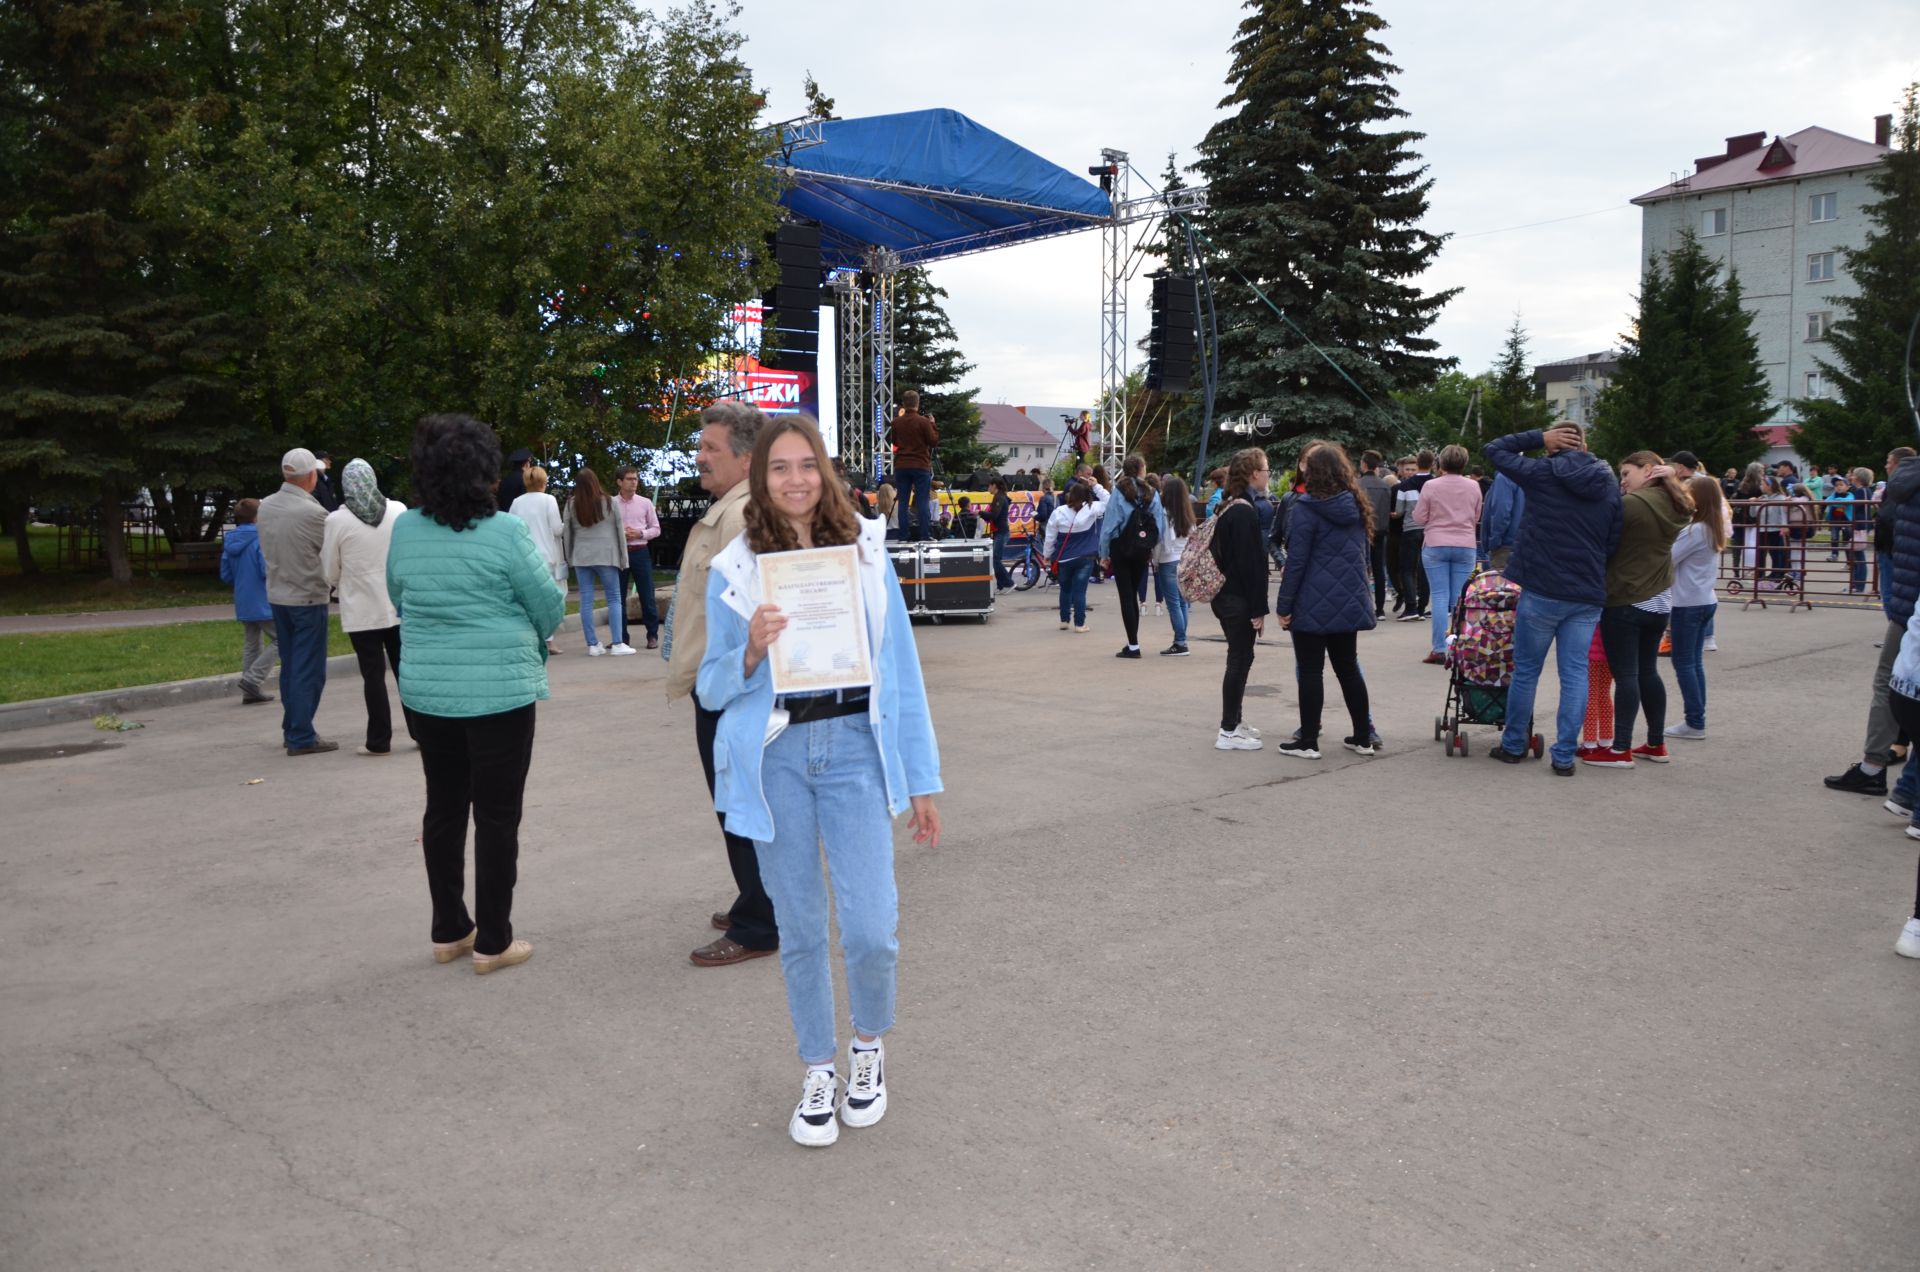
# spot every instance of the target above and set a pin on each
(459, 598)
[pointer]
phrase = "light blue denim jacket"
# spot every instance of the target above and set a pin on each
(897, 703)
(1119, 508)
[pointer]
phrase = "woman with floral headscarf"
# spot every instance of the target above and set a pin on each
(353, 555)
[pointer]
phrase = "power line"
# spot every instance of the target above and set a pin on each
(1508, 229)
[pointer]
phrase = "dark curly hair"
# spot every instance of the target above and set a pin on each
(833, 517)
(456, 465)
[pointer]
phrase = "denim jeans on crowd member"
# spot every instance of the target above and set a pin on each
(640, 571)
(1906, 715)
(1540, 622)
(1690, 625)
(825, 782)
(1166, 578)
(1002, 576)
(1448, 570)
(475, 766)
(1631, 637)
(301, 633)
(1074, 577)
(605, 578)
(915, 486)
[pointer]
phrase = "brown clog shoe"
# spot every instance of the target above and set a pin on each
(720, 921)
(725, 953)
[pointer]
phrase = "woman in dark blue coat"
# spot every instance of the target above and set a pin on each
(1325, 598)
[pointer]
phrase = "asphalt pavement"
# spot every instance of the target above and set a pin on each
(1161, 1007)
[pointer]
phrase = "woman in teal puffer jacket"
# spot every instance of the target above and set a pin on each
(476, 606)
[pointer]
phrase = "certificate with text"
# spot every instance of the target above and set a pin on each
(825, 644)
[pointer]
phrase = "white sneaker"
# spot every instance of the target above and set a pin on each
(813, 1125)
(866, 1101)
(594, 651)
(1908, 946)
(1894, 806)
(622, 649)
(1712, 646)
(1685, 731)
(1235, 741)
(1064, 626)
(1246, 730)
(1913, 832)
(1159, 609)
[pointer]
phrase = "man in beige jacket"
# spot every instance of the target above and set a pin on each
(728, 431)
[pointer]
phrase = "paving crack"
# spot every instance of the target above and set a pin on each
(279, 1150)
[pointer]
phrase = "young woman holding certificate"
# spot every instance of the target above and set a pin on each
(797, 769)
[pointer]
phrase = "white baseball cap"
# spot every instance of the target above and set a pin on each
(298, 462)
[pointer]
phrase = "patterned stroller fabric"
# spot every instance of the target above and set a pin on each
(1481, 647)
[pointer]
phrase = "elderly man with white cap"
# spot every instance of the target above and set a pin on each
(293, 526)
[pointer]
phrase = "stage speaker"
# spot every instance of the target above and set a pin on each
(1173, 337)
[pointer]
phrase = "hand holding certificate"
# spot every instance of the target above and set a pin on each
(822, 645)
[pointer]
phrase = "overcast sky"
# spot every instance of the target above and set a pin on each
(1533, 112)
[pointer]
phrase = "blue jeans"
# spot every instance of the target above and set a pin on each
(1074, 577)
(1448, 570)
(825, 783)
(1002, 576)
(1690, 626)
(1539, 622)
(915, 486)
(607, 579)
(301, 631)
(640, 571)
(1166, 580)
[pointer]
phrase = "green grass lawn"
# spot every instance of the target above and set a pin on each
(155, 586)
(58, 663)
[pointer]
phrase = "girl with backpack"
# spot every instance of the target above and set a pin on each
(1133, 527)
(1072, 545)
(1178, 506)
(1241, 603)
(1326, 597)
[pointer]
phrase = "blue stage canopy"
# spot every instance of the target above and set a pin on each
(927, 184)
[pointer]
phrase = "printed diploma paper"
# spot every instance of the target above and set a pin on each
(825, 644)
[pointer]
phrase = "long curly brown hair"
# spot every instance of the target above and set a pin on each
(1327, 471)
(834, 521)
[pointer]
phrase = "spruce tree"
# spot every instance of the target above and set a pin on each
(1869, 415)
(1510, 404)
(1690, 376)
(927, 359)
(1315, 194)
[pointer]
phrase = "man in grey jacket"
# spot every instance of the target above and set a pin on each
(292, 525)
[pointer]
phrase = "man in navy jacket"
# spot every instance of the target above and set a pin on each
(1568, 533)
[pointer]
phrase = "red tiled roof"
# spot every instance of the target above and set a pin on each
(1776, 434)
(1002, 425)
(1809, 152)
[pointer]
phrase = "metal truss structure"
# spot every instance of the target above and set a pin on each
(850, 333)
(863, 312)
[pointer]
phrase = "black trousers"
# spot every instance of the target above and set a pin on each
(1238, 626)
(1411, 581)
(1906, 713)
(1131, 579)
(377, 651)
(1311, 650)
(1377, 562)
(750, 919)
(1631, 638)
(474, 765)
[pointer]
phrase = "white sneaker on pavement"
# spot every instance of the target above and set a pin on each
(1246, 730)
(594, 651)
(1686, 731)
(1908, 946)
(1235, 741)
(866, 1101)
(1712, 646)
(813, 1125)
(622, 649)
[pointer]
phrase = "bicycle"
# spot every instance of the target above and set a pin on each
(1027, 570)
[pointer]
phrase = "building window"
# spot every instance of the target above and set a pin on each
(1713, 221)
(1816, 385)
(1820, 267)
(1818, 324)
(1823, 207)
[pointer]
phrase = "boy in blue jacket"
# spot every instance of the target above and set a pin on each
(242, 566)
(1568, 533)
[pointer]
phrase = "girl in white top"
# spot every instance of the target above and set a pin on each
(353, 556)
(1166, 559)
(1696, 567)
(541, 512)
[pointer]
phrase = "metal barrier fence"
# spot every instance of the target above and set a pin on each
(1802, 552)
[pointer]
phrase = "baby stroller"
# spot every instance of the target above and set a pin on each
(1480, 662)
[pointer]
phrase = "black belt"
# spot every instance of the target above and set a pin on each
(824, 706)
